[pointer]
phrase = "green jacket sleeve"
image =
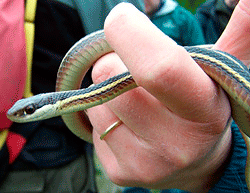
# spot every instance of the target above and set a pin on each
(192, 35)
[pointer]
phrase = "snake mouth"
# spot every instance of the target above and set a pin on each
(16, 115)
(20, 113)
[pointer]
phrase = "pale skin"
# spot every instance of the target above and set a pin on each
(174, 132)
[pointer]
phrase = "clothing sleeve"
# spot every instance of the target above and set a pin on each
(195, 34)
(233, 178)
(208, 20)
(12, 56)
(204, 23)
(89, 11)
(200, 18)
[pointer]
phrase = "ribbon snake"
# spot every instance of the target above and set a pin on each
(230, 73)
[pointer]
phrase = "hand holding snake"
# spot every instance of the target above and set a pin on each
(174, 124)
(176, 115)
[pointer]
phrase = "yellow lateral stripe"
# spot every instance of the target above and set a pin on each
(230, 58)
(94, 92)
(228, 69)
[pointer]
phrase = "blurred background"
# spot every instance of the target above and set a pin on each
(190, 5)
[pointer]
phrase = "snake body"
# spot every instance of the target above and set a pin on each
(70, 103)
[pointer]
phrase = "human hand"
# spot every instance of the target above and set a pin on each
(173, 124)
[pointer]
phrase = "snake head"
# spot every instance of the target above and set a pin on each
(21, 108)
(31, 109)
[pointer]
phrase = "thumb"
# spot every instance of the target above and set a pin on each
(235, 38)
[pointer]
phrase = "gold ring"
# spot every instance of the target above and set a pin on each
(110, 128)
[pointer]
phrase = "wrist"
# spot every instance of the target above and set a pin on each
(233, 178)
(215, 163)
(202, 175)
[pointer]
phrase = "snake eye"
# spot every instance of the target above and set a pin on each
(30, 109)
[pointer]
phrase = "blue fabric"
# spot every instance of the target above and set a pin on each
(180, 25)
(143, 190)
(213, 16)
(135, 190)
(233, 178)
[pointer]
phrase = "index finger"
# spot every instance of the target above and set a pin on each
(160, 66)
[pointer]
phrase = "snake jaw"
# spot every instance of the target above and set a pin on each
(16, 114)
(30, 109)
(20, 113)
(21, 116)
(25, 110)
